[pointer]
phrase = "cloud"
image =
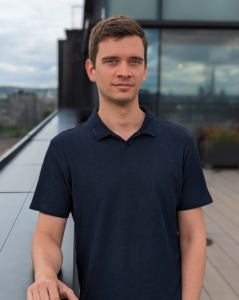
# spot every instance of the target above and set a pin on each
(16, 69)
(199, 63)
(28, 40)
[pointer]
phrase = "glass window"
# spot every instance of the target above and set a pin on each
(211, 10)
(149, 90)
(135, 9)
(200, 77)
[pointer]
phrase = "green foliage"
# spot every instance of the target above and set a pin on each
(221, 134)
(12, 130)
(48, 112)
(28, 128)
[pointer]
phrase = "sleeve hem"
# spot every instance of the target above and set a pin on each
(48, 211)
(202, 202)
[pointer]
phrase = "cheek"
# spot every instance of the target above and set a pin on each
(104, 77)
(99, 77)
(140, 78)
(144, 75)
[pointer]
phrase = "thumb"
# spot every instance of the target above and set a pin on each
(66, 293)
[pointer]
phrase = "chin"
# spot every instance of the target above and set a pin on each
(122, 100)
(123, 97)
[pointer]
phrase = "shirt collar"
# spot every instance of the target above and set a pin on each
(100, 130)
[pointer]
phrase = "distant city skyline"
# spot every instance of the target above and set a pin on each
(28, 40)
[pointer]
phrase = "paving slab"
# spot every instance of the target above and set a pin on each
(11, 204)
(213, 280)
(64, 120)
(222, 227)
(18, 178)
(33, 153)
(228, 245)
(224, 222)
(223, 296)
(15, 259)
(204, 295)
(210, 225)
(218, 257)
(232, 276)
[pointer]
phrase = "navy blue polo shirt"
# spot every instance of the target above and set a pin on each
(124, 197)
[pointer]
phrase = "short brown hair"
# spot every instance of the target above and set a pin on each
(118, 27)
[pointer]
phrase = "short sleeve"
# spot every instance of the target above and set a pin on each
(53, 192)
(194, 191)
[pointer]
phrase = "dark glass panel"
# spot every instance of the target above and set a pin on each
(200, 77)
(149, 89)
(135, 9)
(201, 10)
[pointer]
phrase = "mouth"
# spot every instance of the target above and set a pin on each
(123, 86)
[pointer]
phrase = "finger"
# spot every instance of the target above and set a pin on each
(66, 292)
(36, 295)
(70, 295)
(53, 292)
(44, 294)
(29, 294)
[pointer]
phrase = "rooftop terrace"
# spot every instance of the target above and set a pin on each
(18, 179)
(17, 222)
(221, 280)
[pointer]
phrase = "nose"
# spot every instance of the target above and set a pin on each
(124, 70)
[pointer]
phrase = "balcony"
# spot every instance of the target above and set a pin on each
(18, 180)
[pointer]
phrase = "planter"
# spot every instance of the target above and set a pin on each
(223, 154)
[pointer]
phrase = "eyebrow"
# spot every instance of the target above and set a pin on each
(137, 57)
(114, 57)
(108, 57)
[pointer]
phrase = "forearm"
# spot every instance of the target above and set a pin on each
(46, 257)
(193, 255)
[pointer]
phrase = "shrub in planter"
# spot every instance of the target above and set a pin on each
(220, 146)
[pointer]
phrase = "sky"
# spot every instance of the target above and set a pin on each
(187, 67)
(29, 31)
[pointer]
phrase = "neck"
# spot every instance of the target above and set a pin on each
(122, 120)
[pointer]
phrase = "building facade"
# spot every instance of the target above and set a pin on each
(193, 58)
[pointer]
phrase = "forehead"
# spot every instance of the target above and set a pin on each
(126, 46)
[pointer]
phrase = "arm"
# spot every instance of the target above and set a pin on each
(193, 251)
(47, 260)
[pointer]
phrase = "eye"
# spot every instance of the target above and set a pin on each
(111, 61)
(134, 61)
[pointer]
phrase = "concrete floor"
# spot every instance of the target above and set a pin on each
(18, 181)
(19, 178)
(221, 280)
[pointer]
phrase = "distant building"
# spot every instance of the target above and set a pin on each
(22, 109)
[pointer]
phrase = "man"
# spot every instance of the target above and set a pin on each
(133, 183)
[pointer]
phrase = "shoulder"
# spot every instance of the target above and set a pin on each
(70, 136)
(172, 132)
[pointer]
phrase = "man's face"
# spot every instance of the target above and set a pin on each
(119, 70)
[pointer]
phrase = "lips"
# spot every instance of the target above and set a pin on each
(123, 85)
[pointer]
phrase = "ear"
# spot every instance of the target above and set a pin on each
(145, 73)
(90, 70)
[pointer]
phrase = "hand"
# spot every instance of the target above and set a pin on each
(49, 289)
